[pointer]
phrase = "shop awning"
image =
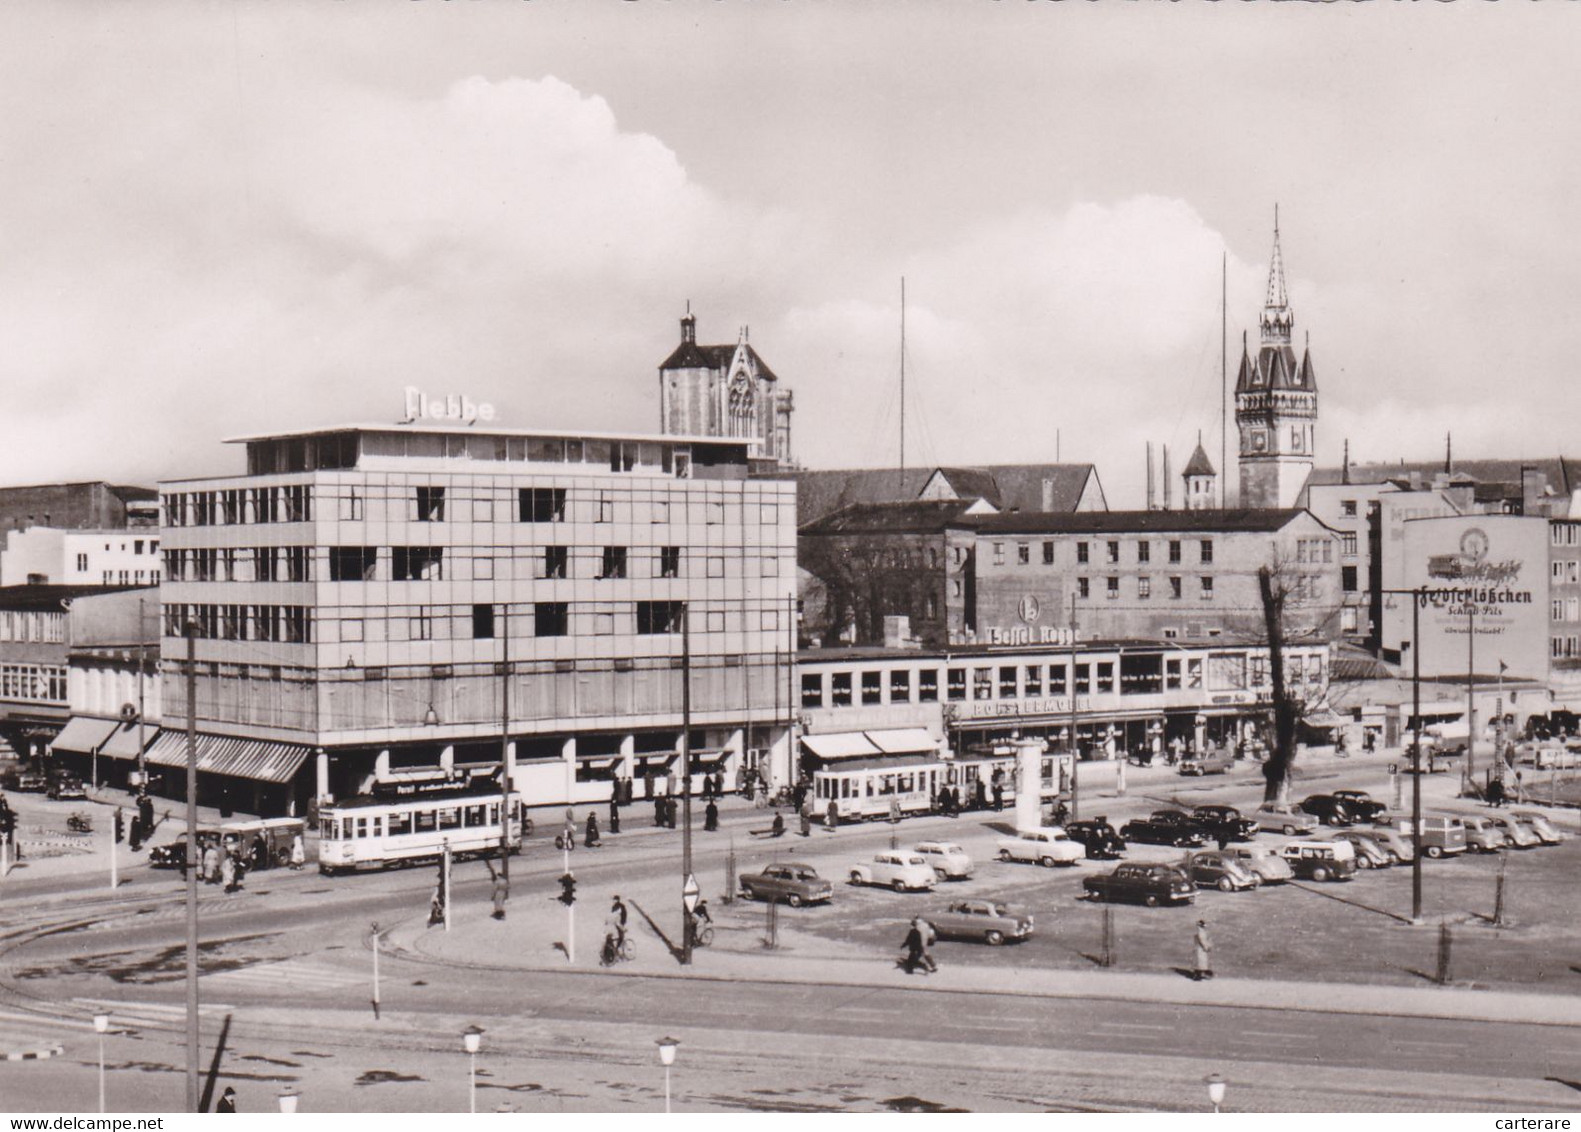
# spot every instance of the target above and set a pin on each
(83, 735)
(839, 745)
(707, 757)
(655, 756)
(904, 741)
(225, 754)
(122, 743)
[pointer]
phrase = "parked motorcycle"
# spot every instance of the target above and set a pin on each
(79, 823)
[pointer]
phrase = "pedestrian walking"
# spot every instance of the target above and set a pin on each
(1496, 793)
(980, 801)
(1202, 958)
(955, 802)
(831, 817)
(227, 1101)
(501, 892)
(658, 812)
(260, 853)
(778, 829)
(228, 872)
(929, 938)
(614, 810)
(941, 804)
(711, 817)
(1223, 838)
(211, 864)
(298, 853)
(999, 797)
(671, 808)
(806, 823)
(590, 837)
(913, 946)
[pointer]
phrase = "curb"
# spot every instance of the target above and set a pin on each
(38, 1053)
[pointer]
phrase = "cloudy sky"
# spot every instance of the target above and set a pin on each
(221, 218)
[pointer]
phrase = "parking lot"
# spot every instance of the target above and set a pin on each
(1352, 931)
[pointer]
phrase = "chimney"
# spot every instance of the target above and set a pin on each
(1345, 470)
(1166, 478)
(1048, 494)
(1152, 501)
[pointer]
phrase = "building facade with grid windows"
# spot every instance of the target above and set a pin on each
(354, 596)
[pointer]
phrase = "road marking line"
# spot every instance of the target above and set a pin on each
(1129, 1026)
(1272, 1034)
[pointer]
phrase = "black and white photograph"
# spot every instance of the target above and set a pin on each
(784, 559)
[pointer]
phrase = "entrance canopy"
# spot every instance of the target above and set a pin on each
(84, 735)
(904, 741)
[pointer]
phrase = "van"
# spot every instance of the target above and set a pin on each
(1320, 860)
(1442, 834)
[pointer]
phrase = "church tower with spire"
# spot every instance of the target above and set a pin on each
(1275, 403)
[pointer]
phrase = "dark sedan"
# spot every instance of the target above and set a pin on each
(1142, 884)
(1100, 838)
(1362, 806)
(1165, 827)
(1226, 821)
(1330, 809)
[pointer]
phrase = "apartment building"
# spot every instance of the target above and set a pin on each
(57, 556)
(408, 603)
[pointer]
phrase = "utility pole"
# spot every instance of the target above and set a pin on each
(1075, 747)
(505, 743)
(688, 884)
(194, 856)
(1417, 598)
(1470, 774)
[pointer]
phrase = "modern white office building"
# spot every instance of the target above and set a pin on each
(355, 594)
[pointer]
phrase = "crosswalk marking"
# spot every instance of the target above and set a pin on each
(123, 1013)
(286, 973)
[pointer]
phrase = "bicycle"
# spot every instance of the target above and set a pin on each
(702, 935)
(616, 950)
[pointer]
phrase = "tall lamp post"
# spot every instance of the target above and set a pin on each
(1216, 1087)
(1418, 598)
(667, 1058)
(101, 1024)
(472, 1038)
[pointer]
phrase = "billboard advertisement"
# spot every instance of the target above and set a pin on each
(1481, 573)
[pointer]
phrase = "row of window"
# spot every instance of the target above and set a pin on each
(1565, 648)
(1144, 588)
(427, 564)
(1568, 570)
(341, 450)
(1565, 609)
(1565, 534)
(436, 504)
(42, 683)
(1145, 676)
(293, 624)
(1111, 552)
(32, 625)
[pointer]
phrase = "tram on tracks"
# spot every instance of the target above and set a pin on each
(375, 833)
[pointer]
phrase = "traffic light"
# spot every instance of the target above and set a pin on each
(568, 890)
(120, 825)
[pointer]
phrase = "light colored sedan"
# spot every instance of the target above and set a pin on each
(1370, 854)
(1482, 835)
(1399, 845)
(897, 869)
(1516, 832)
(1048, 847)
(986, 920)
(949, 861)
(1540, 825)
(1263, 861)
(1288, 820)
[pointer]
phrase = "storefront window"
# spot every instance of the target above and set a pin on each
(1007, 682)
(982, 683)
(928, 686)
(900, 686)
(1084, 679)
(840, 689)
(1056, 679)
(1032, 679)
(1106, 676)
(811, 691)
(957, 685)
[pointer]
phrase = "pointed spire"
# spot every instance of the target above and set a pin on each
(1277, 321)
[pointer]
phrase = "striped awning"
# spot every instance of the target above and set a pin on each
(226, 754)
(83, 735)
(904, 741)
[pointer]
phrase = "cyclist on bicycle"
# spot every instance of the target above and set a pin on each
(615, 927)
(701, 920)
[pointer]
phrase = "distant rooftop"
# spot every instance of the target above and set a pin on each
(1123, 522)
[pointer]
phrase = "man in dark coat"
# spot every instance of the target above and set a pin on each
(913, 946)
(614, 810)
(711, 817)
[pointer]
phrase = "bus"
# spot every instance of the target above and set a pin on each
(375, 833)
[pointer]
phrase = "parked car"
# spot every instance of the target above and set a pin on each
(1102, 840)
(949, 861)
(1361, 805)
(1048, 847)
(1214, 820)
(1540, 825)
(68, 788)
(898, 869)
(1165, 827)
(1219, 761)
(31, 782)
(173, 854)
(987, 920)
(1482, 835)
(1221, 870)
(1288, 820)
(1264, 861)
(1321, 860)
(794, 883)
(1370, 854)
(1442, 835)
(1517, 834)
(1327, 809)
(1142, 884)
(1400, 846)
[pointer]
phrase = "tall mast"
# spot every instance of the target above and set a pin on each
(1224, 374)
(902, 384)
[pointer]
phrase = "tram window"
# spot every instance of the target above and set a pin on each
(493, 813)
(900, 686)
(450, 818)
(423, 821)
(928, 686)
(840, 689)
(886, 784)
(472, 816)
(845, 788)
(872, 687)
(906, 786)
(957, 685)
(1056, 679)
(400, 823)
(982, 683)
(1007, 682)
(872, 787)
(362, 827)
(1033, 679)
(333, 828)
(378, 825)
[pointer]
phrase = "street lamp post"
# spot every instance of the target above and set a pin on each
(1216, 1086)
(1418, 598)
(101, 1023)
(667, 1058)
(472, 1038)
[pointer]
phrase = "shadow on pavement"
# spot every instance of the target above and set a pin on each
(1395, 916)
